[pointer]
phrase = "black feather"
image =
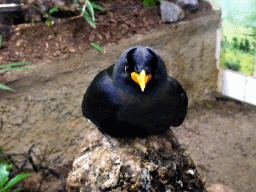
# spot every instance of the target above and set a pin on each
(118, 107)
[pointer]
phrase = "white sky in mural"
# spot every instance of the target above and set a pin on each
(237, 10)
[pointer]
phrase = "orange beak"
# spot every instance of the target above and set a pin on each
(141, 78)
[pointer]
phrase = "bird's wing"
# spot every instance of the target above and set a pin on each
(182, 104)
(100, 101)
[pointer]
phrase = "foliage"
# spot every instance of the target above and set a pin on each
(209, 106)
(237, 50)
(56, 32)
(11, 67)
(238, 38)
(252, 33)
(89, 17)
(150, 3)
(48, 20)
(98, 7)
(232, 66)
(231, 58)
(235, 43)
(96, 47)
(243, 45)
(47, 17)
(5, 183)
(32, 22)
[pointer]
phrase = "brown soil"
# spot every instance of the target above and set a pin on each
(122, 19)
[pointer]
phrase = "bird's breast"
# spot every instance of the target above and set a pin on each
(150, 110)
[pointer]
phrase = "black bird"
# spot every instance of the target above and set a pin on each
(135, 97)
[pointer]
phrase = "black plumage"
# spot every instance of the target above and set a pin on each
(120, 105)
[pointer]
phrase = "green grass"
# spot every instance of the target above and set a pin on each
(11, 67)
(245, 60)
(97, 47)
(231, 30)
(5, 181)
(234, 56)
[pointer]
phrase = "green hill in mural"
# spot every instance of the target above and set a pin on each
(238, 36)
(237, 50)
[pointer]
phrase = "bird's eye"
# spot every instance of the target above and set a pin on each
(126, 65)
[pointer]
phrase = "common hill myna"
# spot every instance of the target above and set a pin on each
(135, 97)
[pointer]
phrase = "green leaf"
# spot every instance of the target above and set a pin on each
(15, 64)
(16, 190)
(97, 7)
(16, 180)
(0, 41)
(90, 8)
(9, 167)
(96, 47)
(89, 19)
(14, 68)
(52, 10)
(4, 174)
(39, 10)
(32, 22)
(149, 3)
(76, 2)
(5, 87)
(48, 22)
(209, 106)
(1, 150)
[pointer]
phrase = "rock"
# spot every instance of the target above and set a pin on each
(4, 30)
(171, 12)
(191, 5)
(10, 14)
(16, 120)
(219, 188)
(44, 6)
(30, 13)
(155, 163)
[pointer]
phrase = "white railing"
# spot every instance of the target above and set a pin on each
(239, 86)
(234, 84)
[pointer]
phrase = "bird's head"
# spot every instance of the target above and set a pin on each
(141, 65)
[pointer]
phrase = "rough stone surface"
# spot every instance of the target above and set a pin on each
(171, 12)
(191, 5)
(155, 163)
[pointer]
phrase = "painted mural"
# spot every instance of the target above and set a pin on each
(238, 37)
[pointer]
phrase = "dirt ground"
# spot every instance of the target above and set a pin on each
(220, 137)
(69, 37)
(220, 140)
(221, 143)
